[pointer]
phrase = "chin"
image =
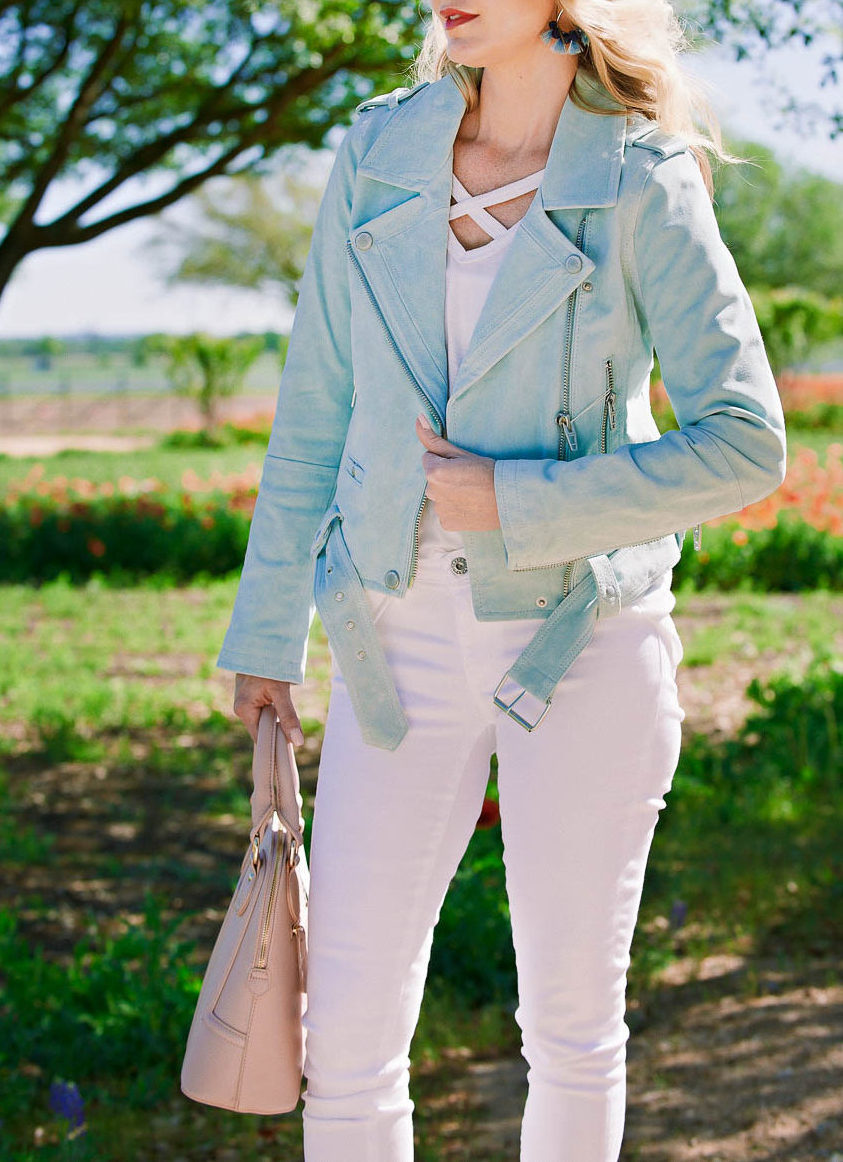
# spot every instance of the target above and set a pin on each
(460, 57)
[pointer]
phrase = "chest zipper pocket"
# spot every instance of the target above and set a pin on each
(609, 410)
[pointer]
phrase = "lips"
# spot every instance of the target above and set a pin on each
(454, 16)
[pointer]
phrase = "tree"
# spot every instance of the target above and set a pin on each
(252, 232)
(207, 368)
(794, 321)
(783, 226)
(182, 90)
(751, 28)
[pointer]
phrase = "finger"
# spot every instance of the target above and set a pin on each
(290, 722)
(435, 443)
(432, 461)
(248, 713)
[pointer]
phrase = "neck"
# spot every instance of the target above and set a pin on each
(520, 103)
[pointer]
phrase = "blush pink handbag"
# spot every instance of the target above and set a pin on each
(245, 1048)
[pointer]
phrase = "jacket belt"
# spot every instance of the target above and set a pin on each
(604, 587)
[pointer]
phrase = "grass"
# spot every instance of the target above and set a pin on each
(165, 464)
(122, 773)
(124, 778)
(747, 625)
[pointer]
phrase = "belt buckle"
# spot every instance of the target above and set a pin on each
(507, 707)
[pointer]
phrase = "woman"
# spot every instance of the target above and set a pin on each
(465, 473)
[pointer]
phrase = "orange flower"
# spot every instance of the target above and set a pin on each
(739, 536)
(95, 546)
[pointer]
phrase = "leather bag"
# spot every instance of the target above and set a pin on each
(245, 1048)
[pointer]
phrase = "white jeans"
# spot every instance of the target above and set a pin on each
(579, 797)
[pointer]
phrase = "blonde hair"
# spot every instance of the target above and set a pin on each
(633, 52)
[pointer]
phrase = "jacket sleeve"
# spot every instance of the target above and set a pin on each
(273, 609)
(730, 449)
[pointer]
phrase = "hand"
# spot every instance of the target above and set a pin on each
(252, 693)
(460, 483)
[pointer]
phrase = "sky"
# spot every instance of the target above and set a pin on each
(114, 285)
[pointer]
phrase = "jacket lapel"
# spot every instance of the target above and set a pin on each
(405, 264)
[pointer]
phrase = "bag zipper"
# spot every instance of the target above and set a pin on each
(428, 406)
(266, 923)
(564, 420)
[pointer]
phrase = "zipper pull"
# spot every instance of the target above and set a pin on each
(567, 424)
(610, 402)
(697, 537)
(353, 396)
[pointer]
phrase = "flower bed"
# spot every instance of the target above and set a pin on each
(135, 528)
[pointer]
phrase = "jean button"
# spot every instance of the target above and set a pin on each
(363, 240)
(459, 565)
(392, 579)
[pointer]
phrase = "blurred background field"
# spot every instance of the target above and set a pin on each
(130, 457)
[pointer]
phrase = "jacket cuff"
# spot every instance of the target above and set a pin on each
(261, 665)
(521, 549)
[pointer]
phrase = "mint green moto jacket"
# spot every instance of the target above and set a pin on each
(618, 254)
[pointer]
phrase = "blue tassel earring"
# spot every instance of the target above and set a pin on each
(572, 42)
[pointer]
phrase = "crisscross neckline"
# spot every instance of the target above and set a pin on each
(473, 205)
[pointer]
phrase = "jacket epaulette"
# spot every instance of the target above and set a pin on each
(390, 99)
(660, 141)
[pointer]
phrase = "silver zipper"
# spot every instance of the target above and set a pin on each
(564, 420)
(428, 405)
(414, 557)
(608, 406)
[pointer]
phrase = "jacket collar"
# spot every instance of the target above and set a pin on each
(583, 166)
(405, 249)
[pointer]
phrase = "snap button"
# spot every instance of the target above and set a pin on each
(349, 625)
(588, 286)
(610, 591)
(361, 654)
(573, 263)
(339, 595)
(392, 579)
(364, 240)
(459, 565)
(541, 601)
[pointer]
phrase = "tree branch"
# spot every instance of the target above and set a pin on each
(57, 233)
(14, 94)
(143, 158)
(88, 92)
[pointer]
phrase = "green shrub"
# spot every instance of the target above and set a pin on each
(126, 537)
(791, 556)
(226, 435)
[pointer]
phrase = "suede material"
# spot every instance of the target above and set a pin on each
(619, 253)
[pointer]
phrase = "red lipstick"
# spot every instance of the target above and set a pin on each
(451, 17)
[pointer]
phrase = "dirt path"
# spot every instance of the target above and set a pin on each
(739, 1062)
(48, 445)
